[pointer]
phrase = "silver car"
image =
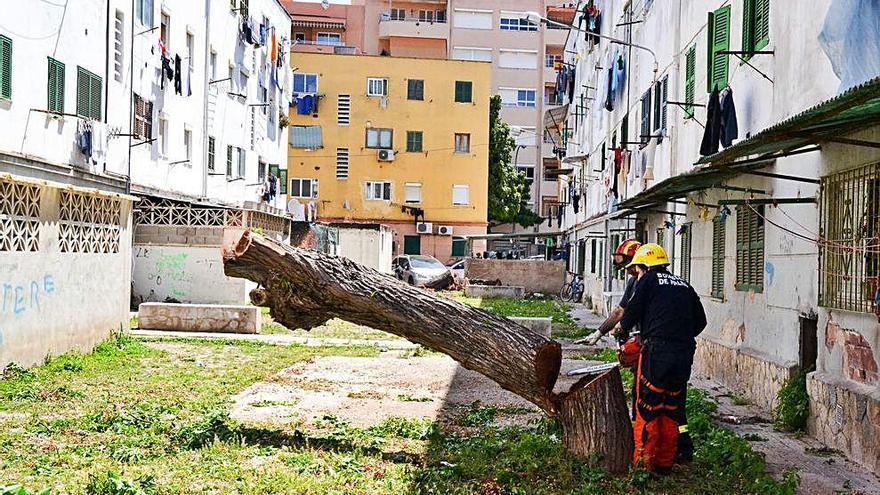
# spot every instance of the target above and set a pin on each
(418, 270)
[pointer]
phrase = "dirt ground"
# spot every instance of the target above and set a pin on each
(365, 391)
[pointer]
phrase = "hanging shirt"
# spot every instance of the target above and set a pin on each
(712, 134)
(729, 127)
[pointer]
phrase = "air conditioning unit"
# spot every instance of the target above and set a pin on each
(444, 230)
(386, 155)
(425, 228)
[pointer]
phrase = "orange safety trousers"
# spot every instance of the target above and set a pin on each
(660, 393)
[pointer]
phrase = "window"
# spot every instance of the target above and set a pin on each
(750, 248)
(464, 92)
(306, 137)
(304, 188)
(525, 98)
(461, 195)
(719, 40)
(426, 16)
(413, 193)
(299, 37)
(462, 143)
(718, 240)
(88, 94)
(190, 51)
(187, 143)
(476, 54)
(377, 86)
(144, 12)
(55, 91)
(415, 89)
(261, 170)
(516, 22)
(163, 137)
(690, 78)
(550, 60)
(244, 8)
(661, 237)
(242, 161)
(528, 171)
(380, 138)
(229, 169)
(686, 251)
(397, 14)
(143, 118)
(343, 110)
(332, 39)
(660, 98)
(459, 246)
(165, 30)
(211, 153)
(282, 181)
(756, 25)
(412, 244)
(118, 45)
(517, 59)
(593, 253)
(413, 141)
(212, 70)
(305, 83)
(849, 214)
(472, 19)
(5, 68)
(379, 191)
(341, 163)
(645, 129)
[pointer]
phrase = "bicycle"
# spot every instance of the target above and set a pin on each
(572, 291)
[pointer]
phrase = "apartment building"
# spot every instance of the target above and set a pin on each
(524, 57)
(770, 214)
(395, 141)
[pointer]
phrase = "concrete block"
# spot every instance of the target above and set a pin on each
(514, 292)
(177, 239)
(146, 230)
(209, 231)
(541, 326)
(199, 318)
(186, 231)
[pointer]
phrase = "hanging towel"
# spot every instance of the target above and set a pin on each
(729, 127)
(712, 134)
(99, 142)
(609, 95)
(304, 105)
(177, 82)
(274, 46)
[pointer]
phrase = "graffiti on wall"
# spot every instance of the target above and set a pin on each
(167, 272)
(26, 296)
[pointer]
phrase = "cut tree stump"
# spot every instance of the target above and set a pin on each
(305, 288)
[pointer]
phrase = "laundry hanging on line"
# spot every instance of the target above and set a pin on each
(729, 127)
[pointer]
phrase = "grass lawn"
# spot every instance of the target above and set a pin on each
(141, 418)
(563, 324)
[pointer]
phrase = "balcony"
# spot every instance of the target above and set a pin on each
(390, 26)
(323, 47)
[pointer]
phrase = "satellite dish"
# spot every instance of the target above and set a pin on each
(325, 4)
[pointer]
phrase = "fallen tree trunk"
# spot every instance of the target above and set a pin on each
(304, 289)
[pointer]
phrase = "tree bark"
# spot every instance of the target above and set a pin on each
(304, 289)
(595, 420)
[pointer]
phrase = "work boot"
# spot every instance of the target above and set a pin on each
(685, 452)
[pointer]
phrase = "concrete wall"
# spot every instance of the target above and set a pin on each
(60, 296)
(369, 247)
(545, 277)
(187, 274)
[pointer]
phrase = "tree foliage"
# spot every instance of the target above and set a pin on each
(508, 187)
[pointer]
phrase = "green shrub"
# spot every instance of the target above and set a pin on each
(111, 483)
(20, 490)
(792, 405)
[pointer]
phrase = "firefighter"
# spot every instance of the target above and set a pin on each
(622, 256)
(670, 316)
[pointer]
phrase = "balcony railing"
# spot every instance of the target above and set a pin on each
(391, 16)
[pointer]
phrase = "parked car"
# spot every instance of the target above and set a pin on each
(457, 270)
(418, 270)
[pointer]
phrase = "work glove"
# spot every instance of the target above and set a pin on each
(592, 339)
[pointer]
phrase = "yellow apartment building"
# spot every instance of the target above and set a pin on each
(402, 142)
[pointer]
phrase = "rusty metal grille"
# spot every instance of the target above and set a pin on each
(849, 250)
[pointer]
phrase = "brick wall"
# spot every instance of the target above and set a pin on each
(545, 277)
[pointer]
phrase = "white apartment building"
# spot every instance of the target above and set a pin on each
(773, 220)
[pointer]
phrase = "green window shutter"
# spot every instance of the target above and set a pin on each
(458, 246)
(211, 153)
(762, 24)
(96, 96)
(645, 128)
(282, 178)
(229, 161)
(55, 89)
(664, 97)
(719, 40)
(658, 91)
(412, 244)
(690, 80)
(88, 94)
(718, 239)
(463, 92)
(748, 35)
(686, 252)
(5, 68)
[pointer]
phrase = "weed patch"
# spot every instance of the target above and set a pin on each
(792, 405)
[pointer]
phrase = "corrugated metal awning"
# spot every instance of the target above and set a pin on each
(306, 136)
(315, 21)
(555, 117)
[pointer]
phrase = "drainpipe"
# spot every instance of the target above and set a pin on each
(106, 62)
(205, 89)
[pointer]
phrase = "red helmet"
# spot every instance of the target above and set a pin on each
(628, 248)
(628, 352)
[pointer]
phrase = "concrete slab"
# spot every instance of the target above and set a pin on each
(199, 318)
(541, 326)
(510, 291)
